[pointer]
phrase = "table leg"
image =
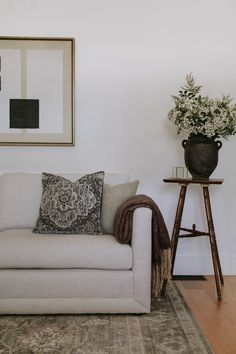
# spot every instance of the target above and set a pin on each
(177, 224)
(214, 248)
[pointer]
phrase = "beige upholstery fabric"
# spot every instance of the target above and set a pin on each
(141, 246)
(65, 283)
(71, 306)
(20, 248)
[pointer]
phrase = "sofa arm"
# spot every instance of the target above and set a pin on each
(142, 247)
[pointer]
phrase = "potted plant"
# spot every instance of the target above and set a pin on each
(204, 119)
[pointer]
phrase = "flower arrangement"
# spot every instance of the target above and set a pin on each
(196, 114)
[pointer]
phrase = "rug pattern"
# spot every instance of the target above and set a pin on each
(168, 329)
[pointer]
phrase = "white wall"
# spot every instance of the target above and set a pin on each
(131, 55)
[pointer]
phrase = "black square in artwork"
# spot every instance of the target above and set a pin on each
(24, 113)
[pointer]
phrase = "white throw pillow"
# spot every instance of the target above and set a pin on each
(113, 197)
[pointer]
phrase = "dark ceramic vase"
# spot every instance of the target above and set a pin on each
(201, 155)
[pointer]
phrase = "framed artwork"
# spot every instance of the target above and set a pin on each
(36, 91)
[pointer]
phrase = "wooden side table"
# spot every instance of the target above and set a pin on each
(184, 182)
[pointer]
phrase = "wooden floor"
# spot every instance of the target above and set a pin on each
(216, 319)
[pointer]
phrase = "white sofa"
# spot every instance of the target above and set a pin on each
(68, 273)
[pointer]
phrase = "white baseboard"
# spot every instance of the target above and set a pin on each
(194, 265)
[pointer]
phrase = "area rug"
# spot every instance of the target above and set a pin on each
(168, 329)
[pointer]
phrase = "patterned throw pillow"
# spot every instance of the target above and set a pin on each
(70, 207)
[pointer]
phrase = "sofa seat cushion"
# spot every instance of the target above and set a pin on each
(20, 248)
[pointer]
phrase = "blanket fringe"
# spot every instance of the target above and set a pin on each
(161, 272)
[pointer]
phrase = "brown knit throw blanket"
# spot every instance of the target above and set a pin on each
(160, 238)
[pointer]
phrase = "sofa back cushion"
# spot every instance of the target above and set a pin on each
(20, 197)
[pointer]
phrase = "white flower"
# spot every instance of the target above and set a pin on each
(196, 114)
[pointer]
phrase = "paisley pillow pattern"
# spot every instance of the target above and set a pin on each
(71, 207)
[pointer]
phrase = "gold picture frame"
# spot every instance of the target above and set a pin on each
(37, 91)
